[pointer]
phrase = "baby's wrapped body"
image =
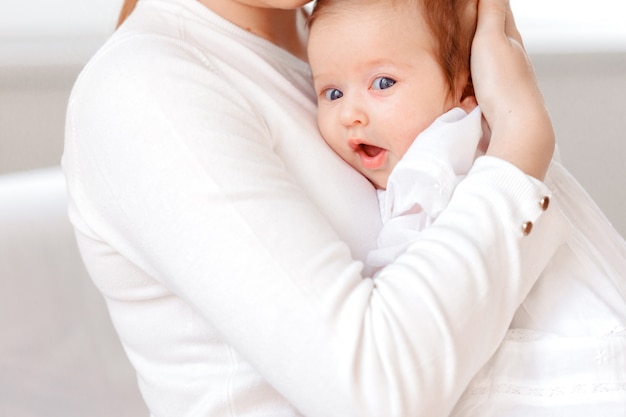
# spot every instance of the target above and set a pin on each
(565, 352)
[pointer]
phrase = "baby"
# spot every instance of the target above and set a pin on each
(396, 102)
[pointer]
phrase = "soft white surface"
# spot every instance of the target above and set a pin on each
(59, 355)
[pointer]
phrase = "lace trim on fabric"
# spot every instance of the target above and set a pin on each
(550, 392)
(570, 367)
(528, 336)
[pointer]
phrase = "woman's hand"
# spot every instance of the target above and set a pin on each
(507, 91)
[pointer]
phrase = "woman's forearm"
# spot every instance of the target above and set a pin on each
(507, 91)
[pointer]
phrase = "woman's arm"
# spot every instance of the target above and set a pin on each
(508, 93)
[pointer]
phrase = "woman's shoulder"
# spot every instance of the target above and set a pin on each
(154, 39)
(173, 42)
(128, 52)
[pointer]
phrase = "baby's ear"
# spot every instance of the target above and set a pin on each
(468, 103)
(468, 89)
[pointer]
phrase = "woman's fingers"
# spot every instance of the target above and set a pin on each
(510, 28)
(491, 17)
(496, 17)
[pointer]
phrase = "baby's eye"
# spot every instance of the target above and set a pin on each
(382, 83)
(333, 94)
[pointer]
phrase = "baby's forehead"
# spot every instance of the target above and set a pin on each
(383, 34)
(345, 9)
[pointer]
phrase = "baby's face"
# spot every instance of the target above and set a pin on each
(378, 84)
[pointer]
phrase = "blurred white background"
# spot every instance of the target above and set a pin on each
(61, 32)
(57, 32)
(572, 26)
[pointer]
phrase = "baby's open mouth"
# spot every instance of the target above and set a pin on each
(370, 150)
(372, 157)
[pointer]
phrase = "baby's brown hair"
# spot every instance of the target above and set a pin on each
(451, 22)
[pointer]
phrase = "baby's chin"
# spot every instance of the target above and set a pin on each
(379, 183)
(378, 177)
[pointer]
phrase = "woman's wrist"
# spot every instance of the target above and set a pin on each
(524, 138)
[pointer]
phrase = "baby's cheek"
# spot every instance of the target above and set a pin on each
(329, 132)
(408, 135)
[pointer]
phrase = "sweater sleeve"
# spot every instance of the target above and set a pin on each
(184, 183)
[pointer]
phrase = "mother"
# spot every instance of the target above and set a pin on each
(208, 214)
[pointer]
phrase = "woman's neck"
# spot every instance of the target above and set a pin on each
(284, 28)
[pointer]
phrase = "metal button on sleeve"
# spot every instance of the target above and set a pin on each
(527, 227)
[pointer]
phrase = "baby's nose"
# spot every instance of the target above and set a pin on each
(353, 112)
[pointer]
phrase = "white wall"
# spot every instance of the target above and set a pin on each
(43, 46)
(571, 26)
(585, 96)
